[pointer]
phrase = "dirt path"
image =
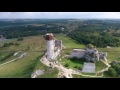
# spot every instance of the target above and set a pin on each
(64, 72)
(21, 56)
(105, 69)
(8, 62)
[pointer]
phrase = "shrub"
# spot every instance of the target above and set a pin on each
(66, 65)
(79, 68)
(20, 39)
(76, 66)
(112, 72)
(5, 45)
(16, 44)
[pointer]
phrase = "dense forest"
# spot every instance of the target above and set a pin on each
(23, 28)
(27, 30)
(114, 70)
(96, 38)
(100, 33)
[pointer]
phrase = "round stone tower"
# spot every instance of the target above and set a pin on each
(50, 44)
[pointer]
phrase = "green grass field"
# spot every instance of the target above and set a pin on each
(23, 67)
(35, 46)
(73, 63)
(113, 53)
(7, 41)
(68, 42)
(3, 54)
(100, 65)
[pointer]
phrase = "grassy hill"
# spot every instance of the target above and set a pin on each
(22, 68)
(35, 46)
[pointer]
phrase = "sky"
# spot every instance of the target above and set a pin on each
(59, 15)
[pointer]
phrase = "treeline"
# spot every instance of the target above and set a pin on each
(20, 39)
(113, 71)
(94, 37)
(13, 22)
(9, 44)
(29, 30)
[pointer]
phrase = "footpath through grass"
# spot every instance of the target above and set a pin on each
(21, 68)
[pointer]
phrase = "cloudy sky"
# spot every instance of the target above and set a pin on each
(57, 15)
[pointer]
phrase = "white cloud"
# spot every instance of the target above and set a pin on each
(81, 15)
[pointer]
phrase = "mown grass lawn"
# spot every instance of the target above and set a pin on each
(100, 65)
(74, 63)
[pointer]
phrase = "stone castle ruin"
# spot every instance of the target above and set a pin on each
(90, 54)
(53, 46)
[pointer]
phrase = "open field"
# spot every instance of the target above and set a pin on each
(35, 46)
(4, 54)
(22, 68)
(33, 43)
(7, 41)
(113, 53)
(68, 42)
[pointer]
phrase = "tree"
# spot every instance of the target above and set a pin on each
(90, 46)
(112, 72)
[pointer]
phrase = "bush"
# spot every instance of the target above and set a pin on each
(16, 44)
(11, 43)
(8, 44)
(90, 46)
(112, 72)
(5, 45)
(76, 66)
(79, 68)
(20, 39)
(66, 65)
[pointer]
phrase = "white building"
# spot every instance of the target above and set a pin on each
(79, 53)
(53, 46)
(88, 54)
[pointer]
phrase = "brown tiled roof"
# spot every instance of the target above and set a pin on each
(49, 36)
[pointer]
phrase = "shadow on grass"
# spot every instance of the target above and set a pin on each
(75, 63)
(77, 60)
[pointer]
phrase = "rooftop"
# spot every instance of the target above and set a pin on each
(49, 36)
